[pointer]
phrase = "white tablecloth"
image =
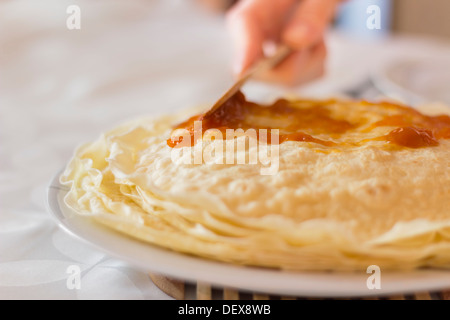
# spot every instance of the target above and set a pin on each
(60, 87)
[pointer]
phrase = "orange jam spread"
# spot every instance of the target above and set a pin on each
(315, 121)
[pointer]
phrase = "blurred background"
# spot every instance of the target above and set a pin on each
(421, 17)
(404, 16)
(60, 87)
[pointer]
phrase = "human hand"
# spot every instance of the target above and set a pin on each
(299, 24)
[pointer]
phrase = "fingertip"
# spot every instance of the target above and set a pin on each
(237, 68)
(245, 55)
(246, 37)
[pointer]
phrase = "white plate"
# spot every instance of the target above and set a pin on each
(177, 265)
(415, 81)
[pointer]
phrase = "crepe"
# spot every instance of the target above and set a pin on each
(350, 184)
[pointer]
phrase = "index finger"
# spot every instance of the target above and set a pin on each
(251, 23)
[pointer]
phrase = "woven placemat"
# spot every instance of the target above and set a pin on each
(181, 290)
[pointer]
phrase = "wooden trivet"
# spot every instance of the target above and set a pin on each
(203, 291)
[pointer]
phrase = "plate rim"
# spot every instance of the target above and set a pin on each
(272, 281)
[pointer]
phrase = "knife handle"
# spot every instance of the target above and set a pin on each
(262, 65)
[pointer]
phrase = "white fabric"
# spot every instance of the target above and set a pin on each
(60, 87)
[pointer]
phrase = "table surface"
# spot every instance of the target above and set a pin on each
(60, 87)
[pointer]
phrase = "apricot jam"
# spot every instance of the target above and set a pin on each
(305, 124)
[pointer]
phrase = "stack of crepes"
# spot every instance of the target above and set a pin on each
(356, 184)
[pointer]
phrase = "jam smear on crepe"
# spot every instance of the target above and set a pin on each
(414, 129)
